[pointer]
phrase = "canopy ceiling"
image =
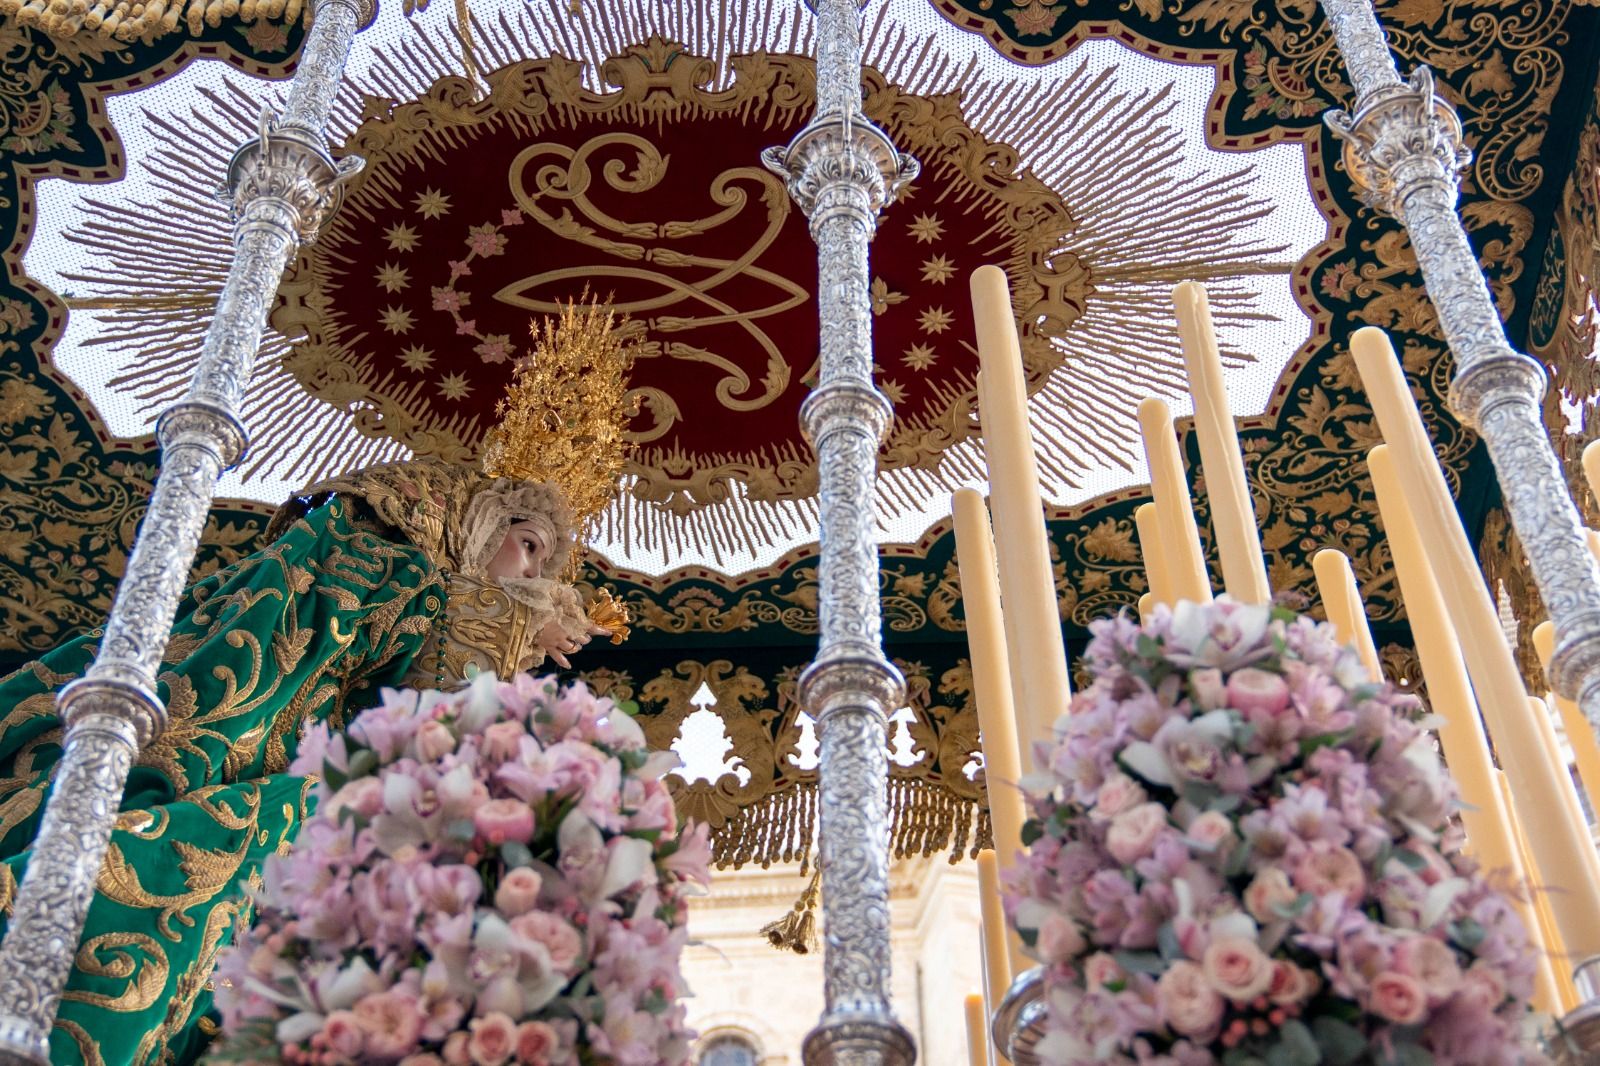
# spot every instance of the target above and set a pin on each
(1101, 150)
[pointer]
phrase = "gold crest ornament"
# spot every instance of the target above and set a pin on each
(564, 416)
(610, 614)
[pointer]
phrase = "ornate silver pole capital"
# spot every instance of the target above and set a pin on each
(1400, 133)
(842, 170)
(1403, 148)
(282, 187)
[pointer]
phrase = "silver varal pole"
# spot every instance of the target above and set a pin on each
(282, 186)
(1404, 151)
(842, 171)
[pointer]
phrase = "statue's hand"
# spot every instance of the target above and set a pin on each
(558, 643)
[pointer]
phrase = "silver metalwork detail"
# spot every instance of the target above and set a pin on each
(1018, 1023)
(1575, 1039)
(1403, 144)
(282, 186)
(842, 170)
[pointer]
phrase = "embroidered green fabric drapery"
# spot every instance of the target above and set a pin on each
(305, 630)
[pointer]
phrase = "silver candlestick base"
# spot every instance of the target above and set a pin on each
(1575, 1038)
(1018, 1024)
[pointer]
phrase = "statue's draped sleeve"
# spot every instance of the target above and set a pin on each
(307, 629)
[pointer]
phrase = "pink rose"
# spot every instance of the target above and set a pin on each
(455, 1050)
(344, 1034)
(1133, 833)
(1213, 831)
(1059, 939)
(1206, 688)
(518, 892)
(493, 1040)
(1100, 970)
(1257, 693)
(503, 740)
(1118, 793)
(391, 1022)
(504, 819)
(1432, 963)
(557, 935)
(1328, 869)
(1269, 891)
(1188, 1003)
(1290, 984)
(434, 740)
(536, 1043)
(1237, 968)
(425, 1059)
(1399, 998)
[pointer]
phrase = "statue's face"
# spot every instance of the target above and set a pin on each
(523, 553)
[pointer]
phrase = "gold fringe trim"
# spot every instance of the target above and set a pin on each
(797, 930)
(131, 20)
(925, 819)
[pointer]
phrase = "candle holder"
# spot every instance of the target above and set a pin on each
(1019, 1020)
(1575, 1038)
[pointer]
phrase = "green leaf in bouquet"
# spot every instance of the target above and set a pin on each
(649, 835)
(633, 758)
(1295, 1047)
(1029, 937)
(1342, 1043)
(1238, 859)
(1167, 942)
(1406, 1054)
(461, 831)
(350, 814)
(1239, 1056)
(1310, 745)
(1467, 933)
(363, 762)
(334, 776)
(629, 707)
(1200, 793)
(1295, 909)
(1411, 860)
(1141, 962)
(1147, 647)
(515, 854)
(1032, 830)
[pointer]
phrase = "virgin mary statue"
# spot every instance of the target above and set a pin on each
(416, 574)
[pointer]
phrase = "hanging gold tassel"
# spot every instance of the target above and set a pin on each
(797, 930)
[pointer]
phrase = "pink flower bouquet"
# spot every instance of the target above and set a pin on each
(492, 876)
(1241, 854)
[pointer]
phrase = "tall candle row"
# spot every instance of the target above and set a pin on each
(1010, 595)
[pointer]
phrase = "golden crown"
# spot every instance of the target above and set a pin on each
(564, 415)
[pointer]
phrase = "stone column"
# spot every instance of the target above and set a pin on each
(1404, 152)
(842, 170)
(282, 186)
